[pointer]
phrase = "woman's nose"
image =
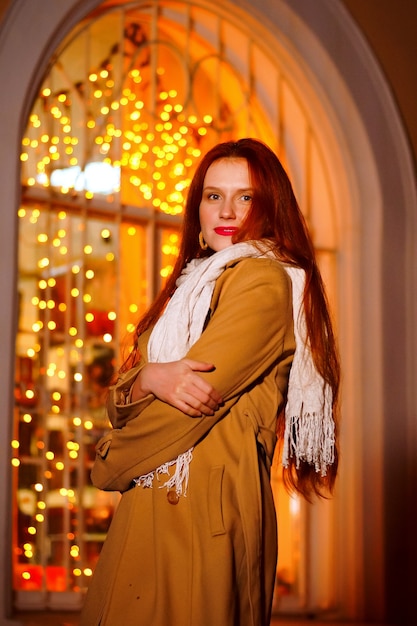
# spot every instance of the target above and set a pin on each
(227, 210)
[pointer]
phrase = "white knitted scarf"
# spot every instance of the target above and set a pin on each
(309, 426)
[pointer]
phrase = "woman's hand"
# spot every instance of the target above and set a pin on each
(178, 384)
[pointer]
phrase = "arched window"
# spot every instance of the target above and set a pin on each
(131, 99)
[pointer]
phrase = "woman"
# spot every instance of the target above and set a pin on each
(200, 401)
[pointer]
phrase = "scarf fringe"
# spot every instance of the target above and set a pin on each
(310, 438)
(178, 480)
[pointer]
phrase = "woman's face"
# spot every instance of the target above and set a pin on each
(226, 199)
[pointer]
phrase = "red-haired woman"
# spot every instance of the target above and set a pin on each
(236, 352)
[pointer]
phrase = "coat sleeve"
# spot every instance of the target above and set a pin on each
(245, 337)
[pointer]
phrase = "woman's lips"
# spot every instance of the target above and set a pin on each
(226, 231)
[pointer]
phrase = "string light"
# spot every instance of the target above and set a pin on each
(149, 142)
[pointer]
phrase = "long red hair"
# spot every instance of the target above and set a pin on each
(276, 219)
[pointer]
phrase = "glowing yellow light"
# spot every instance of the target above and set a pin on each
(55, 409)
(87, 298)
(89, 317)
(166, 271)
(62, 307)
(38, 487)
(89, 274)
(21, 212)
(91, 124)
(73, 454)
(36, 327)
(42, 263)
(29, 394)
(77, 572)
(61, 374)
(50, 304)
(50, 455)
(15, 462)
(51, 325)
(59, 466)
(75, 292)
(77, 421)
(130, 328)
(41, 505)
(39, 517)
(110, 256)
(79, 343)
(107, 338)
(51, 282)
(30, 352)
(24, 157)
(26, 575)
(15, 444)
(111, 315)
(74, 551)
(88, 249)
(88, 424)
(88, 571)
(27, 418)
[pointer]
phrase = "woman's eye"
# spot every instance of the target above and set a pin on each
(213, 196)
(246, 198)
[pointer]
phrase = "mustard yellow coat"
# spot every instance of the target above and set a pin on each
(207, 558)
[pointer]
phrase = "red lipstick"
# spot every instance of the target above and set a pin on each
(226, 231)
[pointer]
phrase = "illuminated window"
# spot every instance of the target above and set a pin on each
(132, 98)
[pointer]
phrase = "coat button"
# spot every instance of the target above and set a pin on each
(173, 497)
